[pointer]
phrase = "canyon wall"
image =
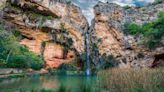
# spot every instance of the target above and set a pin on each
(107, 32)
(55, 29)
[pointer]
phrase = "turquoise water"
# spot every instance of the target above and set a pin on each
(53, 83)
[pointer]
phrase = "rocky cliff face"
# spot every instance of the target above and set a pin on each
(144, 14)
(106, 28)
(106, 32)
(55, 28)
(48, 27)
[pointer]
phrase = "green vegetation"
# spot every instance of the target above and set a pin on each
(140, 55)
(108, 61)
(14, 55)
(69, 2)
(101, 61)
(132, 28)
(39, 15)
(127, 7)
(67, 67)
(158, 1)
(62, 37)
(132, 80)
(153, 31)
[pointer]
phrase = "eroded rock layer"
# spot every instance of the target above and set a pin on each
(106, 32)
(38, 20)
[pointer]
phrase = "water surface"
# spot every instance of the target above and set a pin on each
(55, 83)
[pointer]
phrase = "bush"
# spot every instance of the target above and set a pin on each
(67, 67)
(108, 61)
(132, 28)
(140, 55)
(17, 61)
(2, 63)
(127, 7)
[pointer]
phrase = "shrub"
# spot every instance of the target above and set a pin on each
(68, 67)
(34, 61)
(140, 55)
(127, 7)
(132, 28)
(2, 63)
(107, 61)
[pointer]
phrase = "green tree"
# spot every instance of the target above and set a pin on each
(15, 55)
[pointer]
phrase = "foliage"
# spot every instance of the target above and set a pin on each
(153, 31)
(69, 2)
(14, 55)
(127, 7)
(62, 37)
(108, 61)
(46, 90)
(132, 28)
(67, 67)
(140, 55)
(26, 60)
(158, 1)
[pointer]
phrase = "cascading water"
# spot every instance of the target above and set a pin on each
(88, 70)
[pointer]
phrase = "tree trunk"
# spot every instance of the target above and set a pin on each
(8, 55)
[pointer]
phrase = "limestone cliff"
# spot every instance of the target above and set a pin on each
(53, 29)
(106, 32)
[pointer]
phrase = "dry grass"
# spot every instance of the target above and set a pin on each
(132, 80)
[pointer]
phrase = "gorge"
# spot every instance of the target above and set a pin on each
(59, 31)
(91, 45)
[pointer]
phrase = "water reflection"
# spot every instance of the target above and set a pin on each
(56, 83)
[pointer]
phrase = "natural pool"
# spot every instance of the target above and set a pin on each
(49, 83)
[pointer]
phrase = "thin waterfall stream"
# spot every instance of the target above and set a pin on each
(88, 70)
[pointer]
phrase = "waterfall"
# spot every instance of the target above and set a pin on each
(88, 70)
